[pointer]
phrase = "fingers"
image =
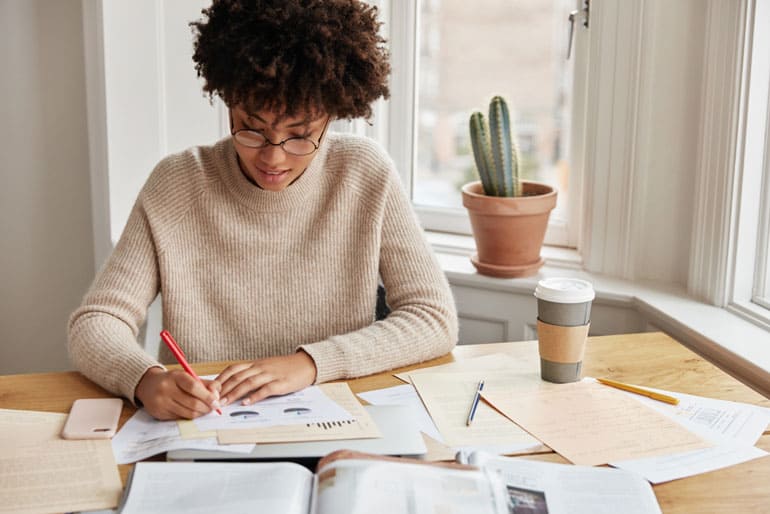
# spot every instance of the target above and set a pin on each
(174, 395)
(213, 386)
(187, 408)
(241, 384)
(273, 388)
(175, 408)
(266, 377)
(352, 454)
(193, 404)
(235, 375)
(224, 378)
(338, 455)
(196, 389)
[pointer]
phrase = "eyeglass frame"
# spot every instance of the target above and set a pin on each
(268, 142)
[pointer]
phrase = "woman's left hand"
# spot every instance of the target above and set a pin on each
(259, 379)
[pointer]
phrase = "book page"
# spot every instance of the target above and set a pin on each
(387, 487)
(205, 487)
(549, 488)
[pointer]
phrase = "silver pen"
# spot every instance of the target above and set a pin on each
(475, 403)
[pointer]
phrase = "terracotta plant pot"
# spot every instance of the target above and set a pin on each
(509, 231)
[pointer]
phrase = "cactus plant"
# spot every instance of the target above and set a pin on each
(495, 152)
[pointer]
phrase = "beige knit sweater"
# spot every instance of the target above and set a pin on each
(246, 273)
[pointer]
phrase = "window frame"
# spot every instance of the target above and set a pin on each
(749, 236)
(399, 137)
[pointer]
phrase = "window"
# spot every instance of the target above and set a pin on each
(455, 56)
(751, 265)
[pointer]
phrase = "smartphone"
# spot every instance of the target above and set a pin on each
(93, 418)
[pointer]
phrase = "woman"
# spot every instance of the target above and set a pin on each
(268, 246)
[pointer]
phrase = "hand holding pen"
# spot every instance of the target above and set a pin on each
(179, 356)
(175, 394)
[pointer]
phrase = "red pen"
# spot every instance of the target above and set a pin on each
(179, 355)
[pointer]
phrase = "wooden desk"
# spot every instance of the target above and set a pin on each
(652, 359)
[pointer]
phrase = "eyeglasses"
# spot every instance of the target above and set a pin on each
(298, 146)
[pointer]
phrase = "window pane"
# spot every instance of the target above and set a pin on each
(764, 294)
(762, 273)
(471, 51)
(756, 162)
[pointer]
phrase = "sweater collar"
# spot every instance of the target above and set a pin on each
(250, 195)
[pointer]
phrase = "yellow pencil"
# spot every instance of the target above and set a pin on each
(638, 390)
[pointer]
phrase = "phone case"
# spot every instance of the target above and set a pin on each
(93, 418)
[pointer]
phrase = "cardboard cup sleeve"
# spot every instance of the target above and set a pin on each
(561, 344)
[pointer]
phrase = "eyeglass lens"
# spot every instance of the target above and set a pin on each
(294, 145)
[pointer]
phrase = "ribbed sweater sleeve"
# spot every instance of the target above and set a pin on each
(423, 322)
(103, 331)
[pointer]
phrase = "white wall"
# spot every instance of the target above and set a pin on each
(46, 257)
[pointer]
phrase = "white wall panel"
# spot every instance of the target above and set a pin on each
(152, 100)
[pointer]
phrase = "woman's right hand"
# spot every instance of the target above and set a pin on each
(168, 395)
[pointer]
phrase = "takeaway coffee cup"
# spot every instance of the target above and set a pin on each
(563, 318)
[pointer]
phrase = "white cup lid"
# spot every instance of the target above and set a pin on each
(564, 290)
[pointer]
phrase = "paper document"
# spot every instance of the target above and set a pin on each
(360, 425)
(491, 362)
(680, 465)
(30, 424)
(448, 398)
(733, 427)
(589, 423)
(310, 405)
(42, 473)
(143, 436)
(405, 395)
(548, 488)
(718, 421)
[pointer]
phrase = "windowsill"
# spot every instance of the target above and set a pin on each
(739, 347)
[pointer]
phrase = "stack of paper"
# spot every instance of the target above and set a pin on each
(591, 424)
(143, 436)
(732, 428)
(84, 473)
(585, 422)
(318, 413)
(448, 398)
(338, 416)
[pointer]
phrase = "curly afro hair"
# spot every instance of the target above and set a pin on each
(293, 56)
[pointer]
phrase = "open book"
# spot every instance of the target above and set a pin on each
(345, 486)
(369, 486)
